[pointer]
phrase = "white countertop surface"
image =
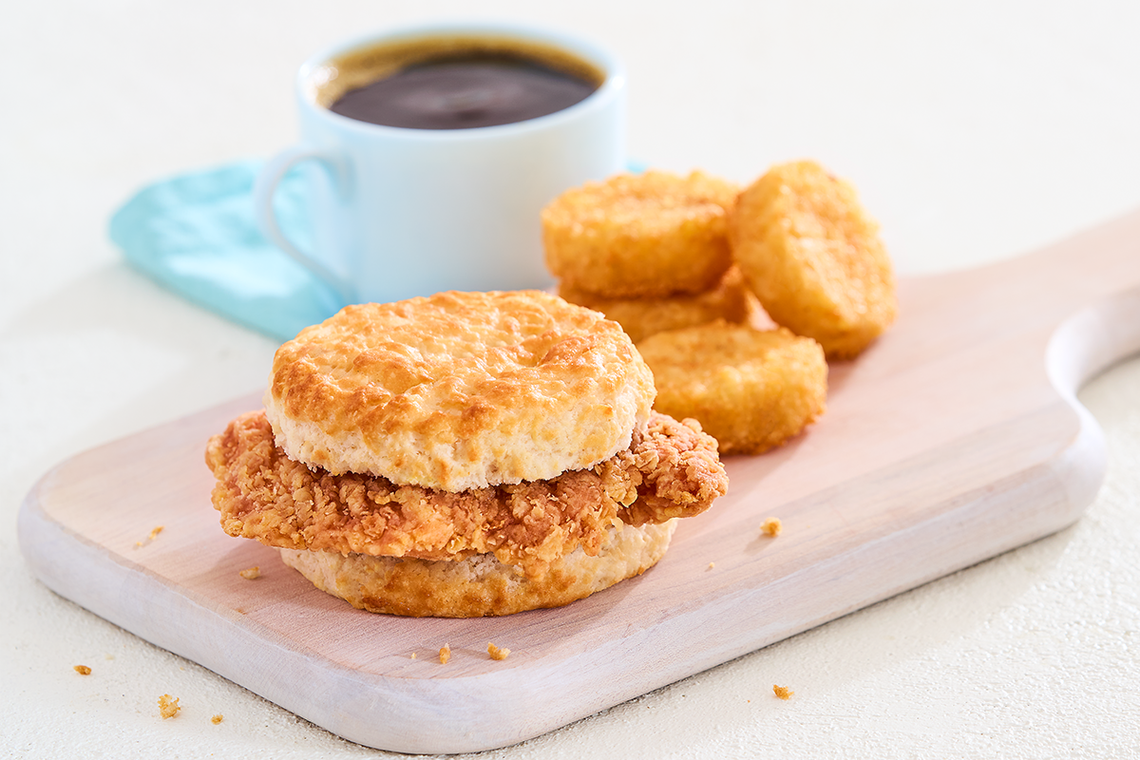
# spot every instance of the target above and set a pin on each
(975, 131)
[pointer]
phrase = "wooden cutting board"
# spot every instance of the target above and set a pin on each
(954, 438)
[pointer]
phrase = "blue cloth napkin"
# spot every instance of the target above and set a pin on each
(195, 234)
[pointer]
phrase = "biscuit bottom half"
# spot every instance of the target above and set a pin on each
(480, 585)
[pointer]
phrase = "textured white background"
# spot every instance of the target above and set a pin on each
(975, 131)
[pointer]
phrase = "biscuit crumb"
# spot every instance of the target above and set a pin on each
(771, 527)
(83, 670)
(445, 654)
(168, 706)
(712, 565)
(413, 655)
(153, 534)
(783, 692)
(251, 573)
(216, 719)
(497, 653)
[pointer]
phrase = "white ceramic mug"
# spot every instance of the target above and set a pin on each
(400, 212)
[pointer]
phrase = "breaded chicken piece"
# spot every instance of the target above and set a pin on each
(730, 300)
(640, 235)
(814, 258)
(672, 470)
(750, 389)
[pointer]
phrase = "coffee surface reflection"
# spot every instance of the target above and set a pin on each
(464, 92)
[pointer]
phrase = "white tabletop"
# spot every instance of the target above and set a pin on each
(975, 131)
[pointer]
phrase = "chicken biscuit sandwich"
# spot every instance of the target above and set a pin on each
(462, 455)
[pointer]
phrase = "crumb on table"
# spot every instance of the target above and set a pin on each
(216, 719)
(783, 692)
(83, 670)
(771, 527)
(250, 573)
(497, 653)
(153, 534)
(445, 654)
(168, 706)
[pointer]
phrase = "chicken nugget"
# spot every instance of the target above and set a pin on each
(731, 300)
(750, 389)
(640, 235)
(814, 258)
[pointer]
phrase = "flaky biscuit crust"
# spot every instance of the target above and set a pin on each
(640, 235)
(481, 585)
(671, 470)
(751, 389)
(459, 390)
(814, 257)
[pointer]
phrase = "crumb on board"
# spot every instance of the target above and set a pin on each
(83, 670)
(445, 654)
(251, 573)
(216, 719)
(168, 706)
(771, 527)
(413, 655)
(712, 565)
(783, 692)
(153, 535)
(497, 653)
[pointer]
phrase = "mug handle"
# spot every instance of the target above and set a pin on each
(264, 187)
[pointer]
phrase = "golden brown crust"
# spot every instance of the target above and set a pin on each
(459, 390)
(640, 235)
(677, 467)
(750, 389)
(481, 585)
(814, 258)
(730, 300)
(670, 470)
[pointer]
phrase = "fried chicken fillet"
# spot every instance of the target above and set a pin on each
(669, 471)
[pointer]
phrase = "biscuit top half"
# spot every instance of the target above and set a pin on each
(459, 390)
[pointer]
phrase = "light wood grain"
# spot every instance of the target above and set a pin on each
(956, 437)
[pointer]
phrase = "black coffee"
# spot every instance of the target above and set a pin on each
(464, 91)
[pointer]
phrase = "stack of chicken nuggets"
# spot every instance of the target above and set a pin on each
(692, 268)
(649, 251)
